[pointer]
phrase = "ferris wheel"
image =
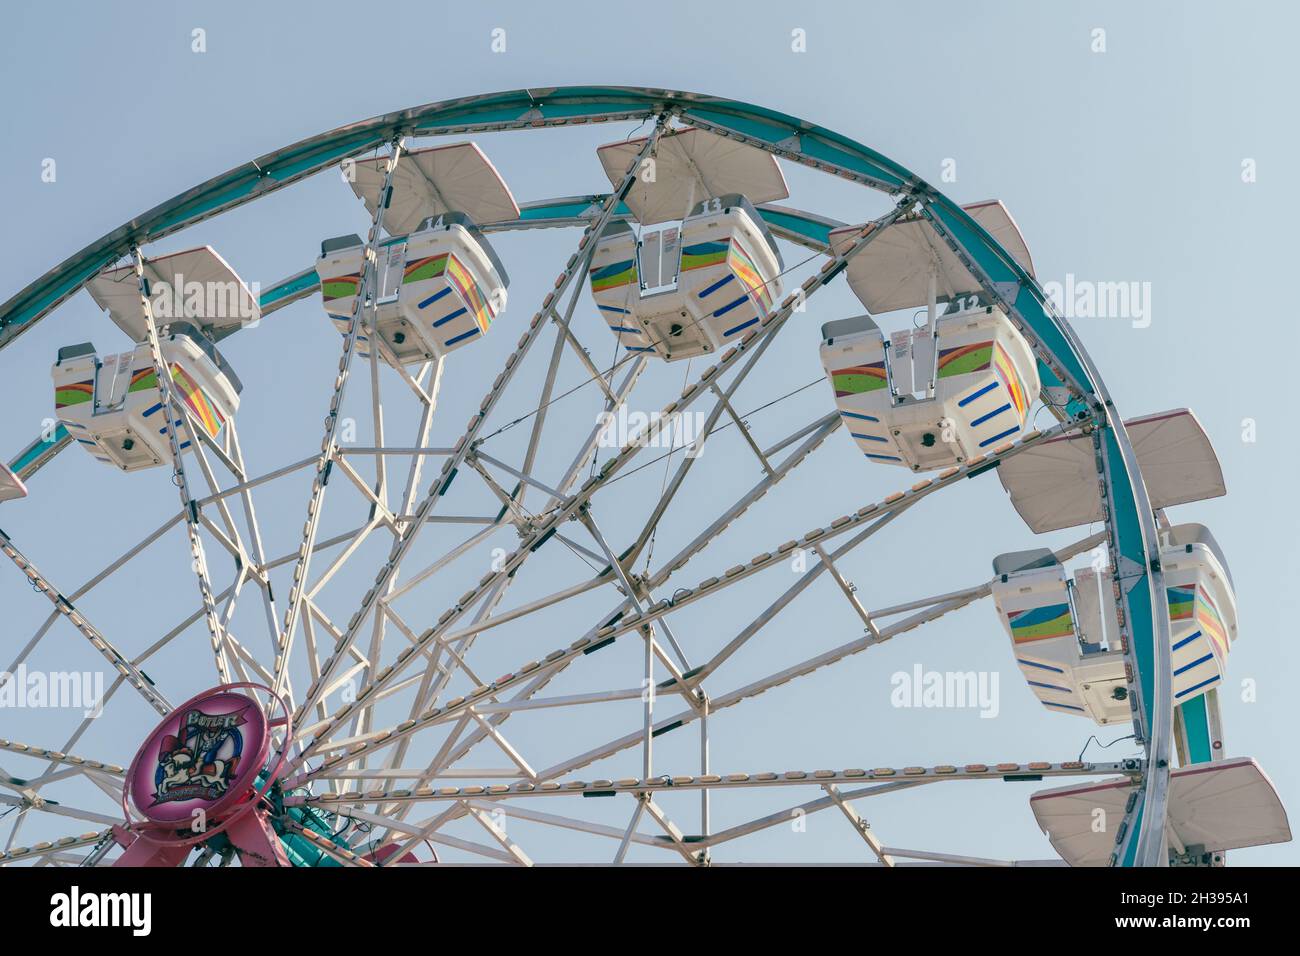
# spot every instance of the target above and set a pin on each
(347, 696)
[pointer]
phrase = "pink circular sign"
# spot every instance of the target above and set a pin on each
(205, 756)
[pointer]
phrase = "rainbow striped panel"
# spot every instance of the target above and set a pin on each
(1207, 616)
(703, 254)
(1181, 602)
(197, 401)
(963, 359)
(430, 267)
(614, 275)
(469, 291)
(857, 379)
(1040, 623)
(75, 393)
(739, 261)
(1006, 370)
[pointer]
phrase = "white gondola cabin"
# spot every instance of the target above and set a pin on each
(710, 272)
(936, 396)
(1065, 632)
(437, 290)
(111, 407)
(928, 399)
(1202, 608)
(439, 284)
(690, 288)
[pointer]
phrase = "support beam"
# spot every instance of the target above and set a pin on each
(369, 281)
(174, 415)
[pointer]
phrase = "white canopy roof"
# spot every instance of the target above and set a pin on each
(11, 485)
(429, 182)
(1054, 485)
(1221, 806)
(893, 271)
(221, 300)
(691, 165)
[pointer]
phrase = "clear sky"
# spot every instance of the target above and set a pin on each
(1119, 165)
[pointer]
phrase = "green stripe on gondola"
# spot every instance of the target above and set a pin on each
(148, 380)
(856, 384)
(613, 276)
(70, 396)
(338, 288)
(429, 270)
(970, 362)
(1051, 620)
(1057, 627)
(1182, 601)
(704, 254)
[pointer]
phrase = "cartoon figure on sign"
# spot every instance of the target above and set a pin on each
(199, 761)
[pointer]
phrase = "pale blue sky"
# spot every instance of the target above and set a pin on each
(1123, 165)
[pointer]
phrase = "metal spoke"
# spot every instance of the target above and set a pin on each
(174, 415)
(368, 281)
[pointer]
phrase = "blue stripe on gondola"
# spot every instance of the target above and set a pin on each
(613, 308)
(868, 437)
(994, 414)
(639, 348)
(717, 285)
(1052, 703)
(624, 328)
(72, 425)
(1195, 663)
(613, 269)
(433, 298)
(184, 445)
(1000, 435)
(976, 394)
(740, 328)
(152, 410)
(865, 418)
(449, 316)
(882, 457)
(1204, 683)
(460, 338)
(1186, 640)
(1046, 667)
(87, 441)
(1063, 690)
(727, 308)
(1038, 615)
